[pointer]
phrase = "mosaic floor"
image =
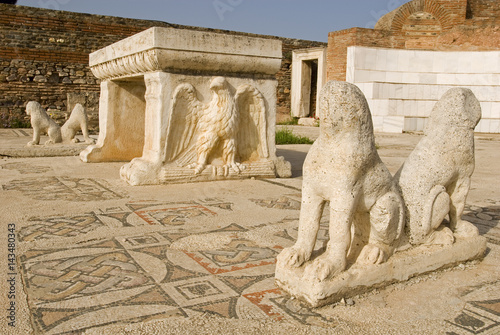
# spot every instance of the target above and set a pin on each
(140, 277)
(140, 271)
(478, 317)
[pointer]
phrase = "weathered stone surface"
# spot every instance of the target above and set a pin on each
(187, 124)
(233, 231)
(43, 124)
(57, 150)
(359, 279)
(79, 34)
(435, 178)
(308, 121)
(40, 79)
(162, 49)
(77, 121)
(343, 167)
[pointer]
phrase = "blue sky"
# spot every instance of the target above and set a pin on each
(310, 20)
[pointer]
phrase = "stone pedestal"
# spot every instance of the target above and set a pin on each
(359, 279)
(162, 80)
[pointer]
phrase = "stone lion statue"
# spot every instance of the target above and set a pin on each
(344, 168)
(435, 178)
(43, 124)
(77, 121)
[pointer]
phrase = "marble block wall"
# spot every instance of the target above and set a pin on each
(402, 86)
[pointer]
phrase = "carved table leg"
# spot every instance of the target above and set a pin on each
(145, 170)
(121, 123)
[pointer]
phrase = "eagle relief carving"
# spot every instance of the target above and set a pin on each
(226, 134)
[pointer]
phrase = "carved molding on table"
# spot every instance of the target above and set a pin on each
(145, 61)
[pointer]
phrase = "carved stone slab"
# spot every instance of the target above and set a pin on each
(167, 49)
(359, 279)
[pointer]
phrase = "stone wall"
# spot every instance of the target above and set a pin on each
(402, 86)
(448, 42)
(44, 56)
(484, 11)
(457, 25)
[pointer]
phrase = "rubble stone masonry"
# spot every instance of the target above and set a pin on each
(44, 57)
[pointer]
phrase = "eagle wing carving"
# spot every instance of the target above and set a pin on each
(252, 130)
(233, 128)
(186, 110)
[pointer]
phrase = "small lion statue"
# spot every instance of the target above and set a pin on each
(42, 123)
(77, 121)
(344, 168)
(435, 178)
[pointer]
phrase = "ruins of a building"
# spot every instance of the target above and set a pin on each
(44, 57)
(416, 53)
(403, 66)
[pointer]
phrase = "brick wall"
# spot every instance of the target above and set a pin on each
(484, 11)
(339, 41)
(467, 38)
(44, 56)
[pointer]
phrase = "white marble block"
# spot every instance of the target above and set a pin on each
(187, 105)
(420, 78)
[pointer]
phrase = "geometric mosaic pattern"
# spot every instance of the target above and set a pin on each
(25, 168)
(284, 202)
(478, 317)
(239, 255)
(486, 219)
(173, 216)
(137, 278)
(56, 227)
(71, 290)
(63, 188)
(132, 214)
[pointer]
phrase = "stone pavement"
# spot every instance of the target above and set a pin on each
(98, 256)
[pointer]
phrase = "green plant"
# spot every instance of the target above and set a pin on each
(285, 136)
(291, 122)
(16, 123)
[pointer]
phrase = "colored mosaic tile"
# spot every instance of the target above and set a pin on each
(486, 219)
(173, 216)
(283, 202)
(63, 188)
(132, 214)
(138, 278)
(25, 168)
(56, 227)
(79, 288)
(238, 255)
(478, 317)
